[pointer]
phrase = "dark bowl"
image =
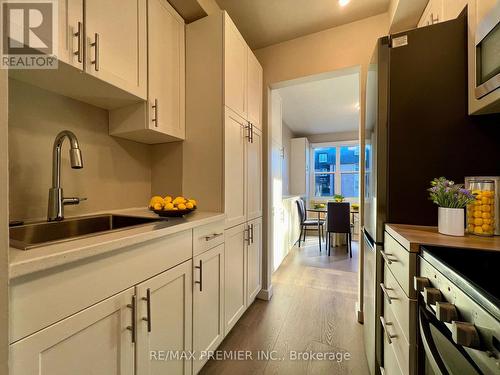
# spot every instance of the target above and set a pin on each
(173, 213)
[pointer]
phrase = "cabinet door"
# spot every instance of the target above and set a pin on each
(235, 145)
(254, 176)
(120, 55)
(93, 341)
(166, 69)
(168, 325)
(234, 275)
(235, 66)
(71, 43)
(254, 90)
(208, 303)
(254, 260)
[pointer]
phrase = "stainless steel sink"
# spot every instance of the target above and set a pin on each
(33, 235)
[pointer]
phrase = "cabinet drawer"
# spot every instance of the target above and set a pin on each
(207, 237)
(391, 365)
(404, 309)
(401, 263)
(405, 353)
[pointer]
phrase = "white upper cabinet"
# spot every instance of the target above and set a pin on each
(164, 321)
(235, 145)
(93, 341)
(441, 10)
(166, 69)
(116, 43)
(254, 92)
(71, 33)
(235, 74)
(162, 118)
(254, 174)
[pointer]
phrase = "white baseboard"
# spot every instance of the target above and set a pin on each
(266, 294)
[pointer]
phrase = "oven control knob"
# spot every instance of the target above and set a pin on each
(446, 312)
(432, 295)
(465, 334)
(419, 283)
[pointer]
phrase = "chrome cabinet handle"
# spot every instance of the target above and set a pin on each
(155, 107)
(251, 233)
(148, 308)
(132, 327)
(386, 293)
(386, 257)
(200, 267)
(79, 35)
(386, 331)
(95, 62)
(251, 133)
(213, 236)
(248, 236)
(248, 127)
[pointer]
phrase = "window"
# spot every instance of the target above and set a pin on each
(336, 170)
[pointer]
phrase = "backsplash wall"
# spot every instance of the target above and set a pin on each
(116, 172)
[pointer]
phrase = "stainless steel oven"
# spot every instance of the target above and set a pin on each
(458, 312)
(488, 53)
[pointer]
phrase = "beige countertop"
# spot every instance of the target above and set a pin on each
(24, 262)
(412, 236)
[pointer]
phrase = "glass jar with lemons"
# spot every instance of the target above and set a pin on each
(481, 212)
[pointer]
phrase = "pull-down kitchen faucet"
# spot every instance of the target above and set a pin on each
(56, 199)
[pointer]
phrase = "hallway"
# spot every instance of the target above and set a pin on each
(312, 310)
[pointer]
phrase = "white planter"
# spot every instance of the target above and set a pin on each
(451, 221)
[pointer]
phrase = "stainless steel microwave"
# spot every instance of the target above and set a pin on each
(488, 53)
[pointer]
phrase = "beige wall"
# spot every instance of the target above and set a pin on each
(336, 48)
(333, 137)
(116, 173)
(166, 169)
(286, 139)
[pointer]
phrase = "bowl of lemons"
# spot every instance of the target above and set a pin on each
(172, 207)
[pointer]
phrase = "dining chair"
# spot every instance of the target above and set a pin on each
(305, 223)
(338, 220)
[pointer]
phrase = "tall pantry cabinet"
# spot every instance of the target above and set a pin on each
(223, 148)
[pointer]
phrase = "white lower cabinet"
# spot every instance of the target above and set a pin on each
(164, 322)
(254, 260)
(93, 341)
(208, 303)
(234, 275)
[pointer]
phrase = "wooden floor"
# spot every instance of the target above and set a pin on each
(312, 309)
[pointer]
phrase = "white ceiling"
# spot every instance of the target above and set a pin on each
(323, 106)
(266, 22)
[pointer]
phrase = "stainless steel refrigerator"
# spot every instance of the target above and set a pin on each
(417, 128)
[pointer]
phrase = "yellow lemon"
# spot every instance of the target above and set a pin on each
(189, 205)
(478, 230)
(168, 199)
(478, 214)
(486, 208)
(477, 202)
(485, 200)
(157, 206)
(181, 206)
(175, 209)
(154, 200)
(169, 206)
(470, 228)
(179, 200)
(486, 215)
(486, 228)
(193, 202)
(478, 221)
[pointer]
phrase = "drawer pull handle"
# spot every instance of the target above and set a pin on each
(386, 331)
(132, 327)
(386, 257)
(386, 293)
(213, 236)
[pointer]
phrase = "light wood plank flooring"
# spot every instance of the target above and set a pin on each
(313, 309)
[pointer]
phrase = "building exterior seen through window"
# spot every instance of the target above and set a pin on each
(336, 171)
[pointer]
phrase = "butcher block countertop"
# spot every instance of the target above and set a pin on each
(413, 236)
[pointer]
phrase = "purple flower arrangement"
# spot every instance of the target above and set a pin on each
(447, 194)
